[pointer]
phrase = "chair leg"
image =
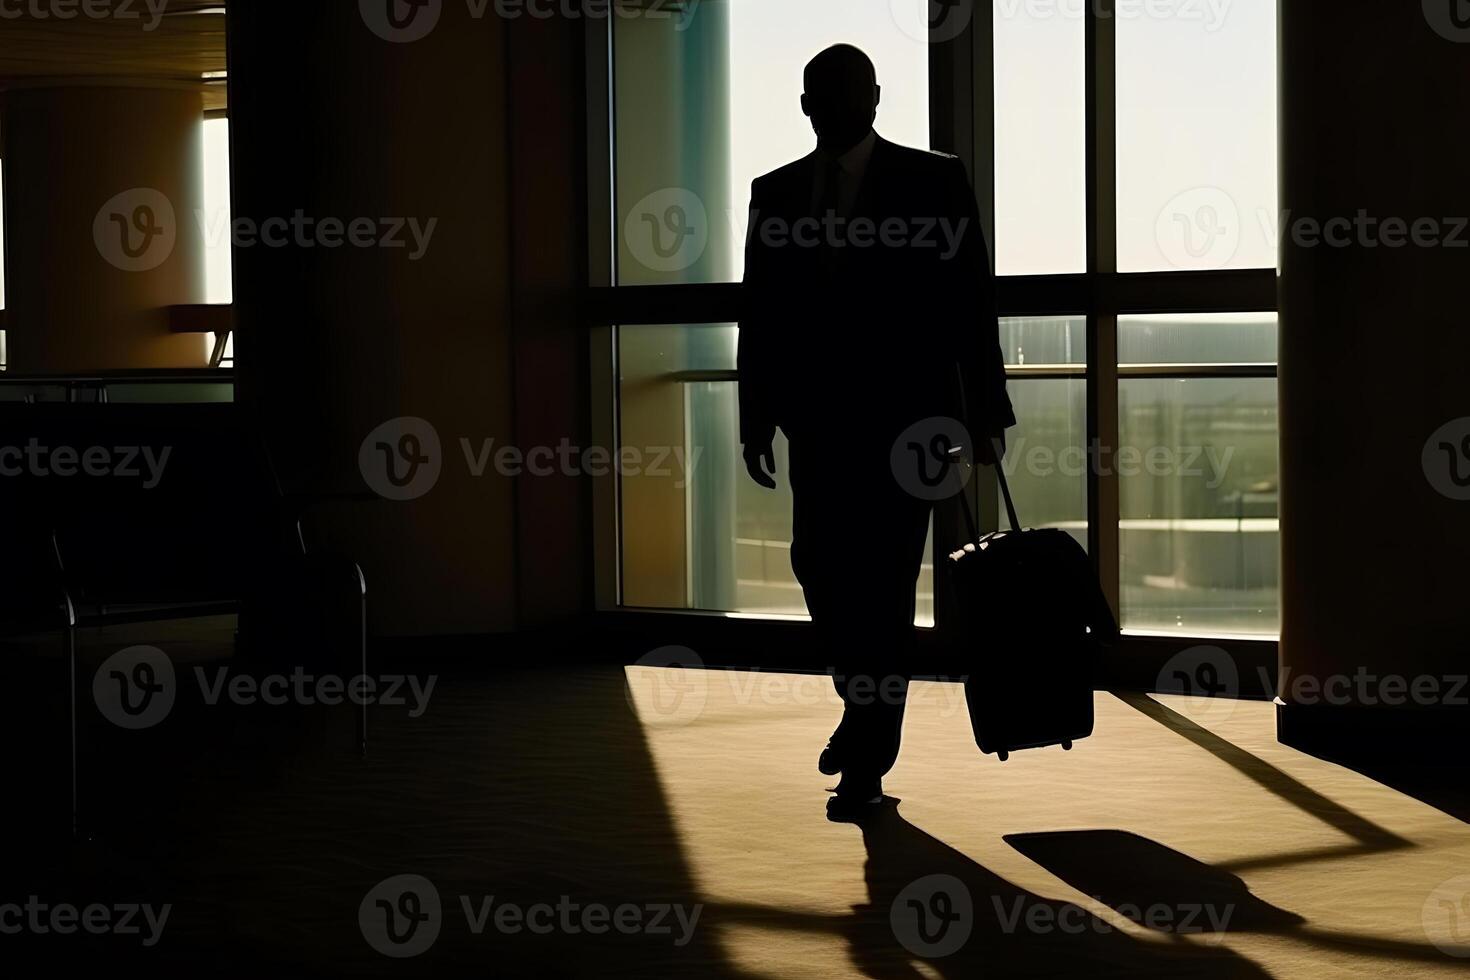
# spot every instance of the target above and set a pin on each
(362, 639)
(70, 642)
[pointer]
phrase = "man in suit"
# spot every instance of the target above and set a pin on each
(869, 299)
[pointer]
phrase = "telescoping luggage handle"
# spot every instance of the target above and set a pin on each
(997, 444)
(957, 455)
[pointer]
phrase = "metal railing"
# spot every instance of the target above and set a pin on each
(121, 387)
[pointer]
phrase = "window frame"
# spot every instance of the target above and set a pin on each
(962, 98)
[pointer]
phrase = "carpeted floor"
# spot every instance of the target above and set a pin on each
(644, 823)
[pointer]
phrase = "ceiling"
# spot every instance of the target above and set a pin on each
(183, 44)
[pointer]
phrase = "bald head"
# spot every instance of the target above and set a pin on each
(841, 97)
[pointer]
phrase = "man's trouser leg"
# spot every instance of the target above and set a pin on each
(857, 544)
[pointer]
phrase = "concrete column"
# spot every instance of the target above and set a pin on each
(1375, 346)
(103, 185)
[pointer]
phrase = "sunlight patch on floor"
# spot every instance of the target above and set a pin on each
(735, 753)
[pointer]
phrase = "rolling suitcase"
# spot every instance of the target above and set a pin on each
(1032, 595)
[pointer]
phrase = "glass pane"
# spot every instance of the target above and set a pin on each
(1040, 133)
(1196, 135)
(1198, 338)
(697, 532)
(1046, 465)
(1198, 483)
(709, 98)
(219, 288)
(1044, 340)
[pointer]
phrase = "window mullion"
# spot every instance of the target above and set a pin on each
(1102, 314)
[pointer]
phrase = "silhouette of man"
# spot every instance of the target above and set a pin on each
(867, 282)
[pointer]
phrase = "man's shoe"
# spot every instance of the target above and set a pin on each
(852, 803)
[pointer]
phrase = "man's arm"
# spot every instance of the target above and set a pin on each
(982, 364)
(754, 360)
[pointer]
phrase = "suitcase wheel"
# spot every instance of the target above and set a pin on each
(1002, 755)
(1067, 746)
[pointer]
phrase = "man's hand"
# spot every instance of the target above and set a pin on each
(759, 459)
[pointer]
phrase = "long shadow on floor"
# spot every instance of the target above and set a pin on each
(1160, 888)
(929, 902)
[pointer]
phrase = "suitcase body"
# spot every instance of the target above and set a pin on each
(1034, 622)
(1031, 605)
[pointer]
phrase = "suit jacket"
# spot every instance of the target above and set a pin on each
(854, 328)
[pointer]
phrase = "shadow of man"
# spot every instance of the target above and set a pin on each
(930, 901)
(934, 911)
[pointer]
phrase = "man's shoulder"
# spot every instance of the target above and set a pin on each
(916, 159)
(795, 170)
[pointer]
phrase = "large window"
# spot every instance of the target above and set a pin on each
(709, 100)
(1164, 114)
(1132, 150)
(706, 103)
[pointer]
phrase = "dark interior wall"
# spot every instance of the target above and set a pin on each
(1374, 350)
(330, 119)
(78, 157)
(549, 217)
